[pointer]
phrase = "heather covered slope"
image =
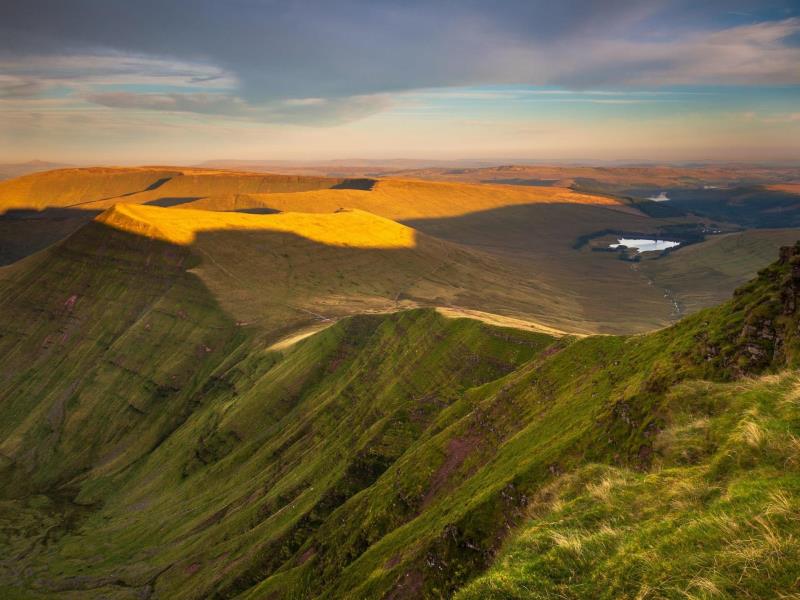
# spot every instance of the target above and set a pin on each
(153, 446)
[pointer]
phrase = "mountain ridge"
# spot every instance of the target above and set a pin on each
(304, 477)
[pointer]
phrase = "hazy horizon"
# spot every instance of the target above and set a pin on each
(106, 83)
(412, 162)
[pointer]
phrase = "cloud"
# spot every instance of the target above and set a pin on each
(303, 111)
(747, 55)
(770, 119)
(320, 49)
(115, 68)
(197, 103)
(20, 87)
(323, 63)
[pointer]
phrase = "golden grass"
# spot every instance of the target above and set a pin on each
(602, 490)
(571, 542)
(501, 320)
(101, 187)
(290, 340)
(789, 188)
(751, 433)
(408, 199)
(353, 229)
(702, 587)
(780, 503)
(792, 398)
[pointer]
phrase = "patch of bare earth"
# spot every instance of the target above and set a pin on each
(458, 449)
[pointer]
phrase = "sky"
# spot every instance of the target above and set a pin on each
(179, 81)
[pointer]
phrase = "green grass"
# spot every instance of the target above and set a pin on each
(151, 445)
(716, 518)
(703, 274)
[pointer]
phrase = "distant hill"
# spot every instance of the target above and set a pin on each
(11, 170)
(610, 177)
(284, 271)
(531, 233)
(332, 168)
(99, 187)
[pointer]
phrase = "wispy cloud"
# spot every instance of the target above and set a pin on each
(114, 69)
(759, 54)
(219, 104)
(318, 63)
(20, 87)
(303, 111)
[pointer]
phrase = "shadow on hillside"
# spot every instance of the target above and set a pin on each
(279, 282)
(540, 240)
(168, 202)
(536, 229)
(23, 232)
(549, 284)
(750, 207)
(520, 181)
(258, 210)
(520, 261)
(355, 184)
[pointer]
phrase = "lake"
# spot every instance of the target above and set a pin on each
(644, 245)
(662, 197)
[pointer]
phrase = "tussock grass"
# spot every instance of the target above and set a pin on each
(684, 530)
(752, 433)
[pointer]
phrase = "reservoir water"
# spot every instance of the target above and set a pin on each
(662, 197)
(644, 245)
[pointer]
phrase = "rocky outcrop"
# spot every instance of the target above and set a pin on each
(757, 330)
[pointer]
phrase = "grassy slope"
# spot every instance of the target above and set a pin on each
(81, 324)
(532, 230)
(403, 200)
(280, 271)
(701, 274)
(543, 221)
(98, 188)
(387, 455)
(529, 230)
(77, 187)
(715, 518)
(305, 426)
